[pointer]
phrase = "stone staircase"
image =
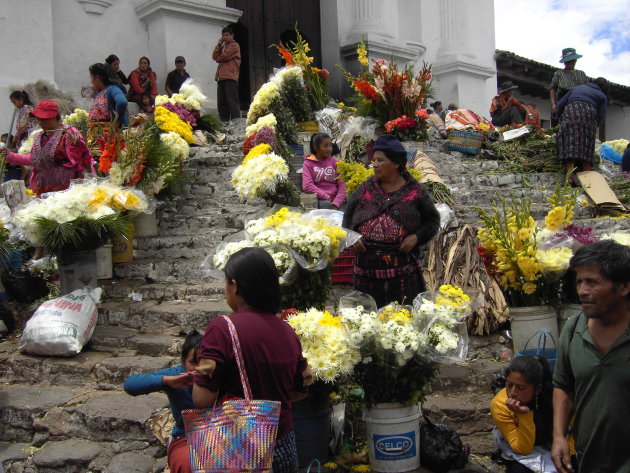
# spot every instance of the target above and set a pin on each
(71, 415)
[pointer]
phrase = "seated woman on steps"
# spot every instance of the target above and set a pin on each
(177, 383)
(523, 415)
(320, 176)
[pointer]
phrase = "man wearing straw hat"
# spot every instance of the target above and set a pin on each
(592, 374)
(505, 109)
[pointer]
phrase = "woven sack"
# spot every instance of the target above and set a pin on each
(238, 435)
(464, 141)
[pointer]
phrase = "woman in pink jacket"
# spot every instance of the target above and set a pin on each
(59, 153)
(320, 176)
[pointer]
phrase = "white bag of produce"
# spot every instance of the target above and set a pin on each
(62, 326)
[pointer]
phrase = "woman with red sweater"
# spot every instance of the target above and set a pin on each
(320, 176)
(142, 80)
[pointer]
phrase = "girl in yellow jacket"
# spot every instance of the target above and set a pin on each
(523, 415)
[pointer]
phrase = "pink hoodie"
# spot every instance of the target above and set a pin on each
(321, 178)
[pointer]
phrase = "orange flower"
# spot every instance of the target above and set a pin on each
(286, 55)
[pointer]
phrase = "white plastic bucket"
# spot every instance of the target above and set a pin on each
(393, 432)
(77, 269)
(104, 262)
(146, 225)
(526, 321)
(566, 313)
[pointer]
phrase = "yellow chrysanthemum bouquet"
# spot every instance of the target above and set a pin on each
(325, 344)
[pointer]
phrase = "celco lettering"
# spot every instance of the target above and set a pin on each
(394, 445)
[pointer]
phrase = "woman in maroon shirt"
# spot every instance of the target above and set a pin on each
(276, 369)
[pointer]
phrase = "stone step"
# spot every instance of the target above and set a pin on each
(40, 413)
(105, 370)
(482, 197)
(180, 246)
(121, 290)
(501, 181)
(538, 211)
(169, 316)
(189, 222)
(180, 270)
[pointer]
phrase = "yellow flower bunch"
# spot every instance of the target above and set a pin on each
(563, 202)
(336, 234)
(260, 103)
(170, 121)
(329, 320)
(557, 218)
(508, 242)
(397, 314)
(452, 296)
(353, 174)
(278, 219)
(555, 259)
(262, 148)
(362, 54)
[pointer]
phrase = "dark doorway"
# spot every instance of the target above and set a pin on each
(267, 22)
(241, 36)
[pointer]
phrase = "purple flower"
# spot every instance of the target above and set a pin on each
(265, 135)
(183, 114)
(583, 234)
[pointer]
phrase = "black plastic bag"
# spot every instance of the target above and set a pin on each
(441, 449)
(24, 286)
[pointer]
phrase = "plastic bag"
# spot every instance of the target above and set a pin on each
(447, 216)
(328, 121)
(358, 299)
(441, 449)
(213, 264)
(23, 285)
(444, 327)
(353, 127)
(62, 326)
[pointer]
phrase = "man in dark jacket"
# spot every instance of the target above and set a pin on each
(177, 76)
(228, 54)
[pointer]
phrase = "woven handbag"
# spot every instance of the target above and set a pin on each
(238, 435)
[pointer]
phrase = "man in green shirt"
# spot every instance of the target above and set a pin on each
(592, 373)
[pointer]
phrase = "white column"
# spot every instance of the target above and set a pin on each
(454, 31)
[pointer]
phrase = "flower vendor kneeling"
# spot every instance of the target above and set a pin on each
(395, 215)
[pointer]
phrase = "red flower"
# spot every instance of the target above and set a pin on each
(286, 312)
(248, 144)
(367, 90)
(422, 114)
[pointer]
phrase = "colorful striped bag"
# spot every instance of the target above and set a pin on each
(238, 435)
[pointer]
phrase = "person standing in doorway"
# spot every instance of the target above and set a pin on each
(176, 77)
(592, 375)
(228, 54)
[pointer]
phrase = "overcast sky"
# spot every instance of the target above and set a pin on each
(540, 29)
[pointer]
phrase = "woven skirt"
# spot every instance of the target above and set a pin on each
(577, 133)
(388, 275)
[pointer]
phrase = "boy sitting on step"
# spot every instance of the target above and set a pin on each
(177, 383)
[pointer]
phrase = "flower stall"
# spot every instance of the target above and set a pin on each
(74, 222)
(528, 261)
(302, 246)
